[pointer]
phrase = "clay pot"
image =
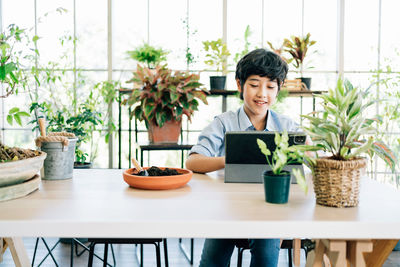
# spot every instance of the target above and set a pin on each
(169, 133)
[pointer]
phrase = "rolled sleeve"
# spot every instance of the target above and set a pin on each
(210, 140)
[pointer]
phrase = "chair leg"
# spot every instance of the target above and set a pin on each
(34, 252)
(91, 253)
(158, 253)
(72, 253)
(141, 255)
(105, 254)
(50, 252)
(113, 255)
(290, 261)
(165, 252)
(240, 257)
(183, 249)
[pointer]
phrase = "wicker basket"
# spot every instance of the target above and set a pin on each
(336, 183)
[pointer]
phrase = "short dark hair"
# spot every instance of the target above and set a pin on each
(264, 63)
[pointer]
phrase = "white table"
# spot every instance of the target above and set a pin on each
(98, 203)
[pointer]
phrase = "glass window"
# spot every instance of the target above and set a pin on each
(361, 35)
(390, 34)
(91, 32)
(129, 30)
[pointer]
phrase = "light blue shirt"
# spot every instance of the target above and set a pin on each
(211, 141)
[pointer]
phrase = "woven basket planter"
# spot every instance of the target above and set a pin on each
(337, 183)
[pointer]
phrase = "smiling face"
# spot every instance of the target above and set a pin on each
(259, 93)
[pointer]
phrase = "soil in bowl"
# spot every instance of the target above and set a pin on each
(155, 171)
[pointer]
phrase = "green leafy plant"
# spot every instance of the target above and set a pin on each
(342, 128)
(165, 95)
(216, 55)
(246, 47)
(148, 54)
(190, 58)
(282, 156)
(82, 125)
(280, 51)
(298, 47)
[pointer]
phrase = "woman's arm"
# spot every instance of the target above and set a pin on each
(200, 163)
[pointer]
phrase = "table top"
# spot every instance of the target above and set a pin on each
(98, 203)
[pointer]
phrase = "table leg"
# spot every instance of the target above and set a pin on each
(3, 248)
(356, 250)
(18, 251)
(296, 252)
(381, 250)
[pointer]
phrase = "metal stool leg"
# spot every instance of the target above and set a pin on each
(240, 257)
(158, 253)
(183, 249)
(50, 252)
(34, 252)
(165, 252)
(91, 253)
(105, 255)
(72, 253)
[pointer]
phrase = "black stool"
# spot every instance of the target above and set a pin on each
(74, 243)
(136, 241)
(243, 244)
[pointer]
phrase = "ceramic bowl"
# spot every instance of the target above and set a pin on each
(157, 182)
(18, 171)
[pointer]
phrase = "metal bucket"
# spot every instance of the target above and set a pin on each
(59, 163)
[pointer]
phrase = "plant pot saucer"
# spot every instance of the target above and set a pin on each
(157, 182)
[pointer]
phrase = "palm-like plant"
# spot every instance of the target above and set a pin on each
(342, 129)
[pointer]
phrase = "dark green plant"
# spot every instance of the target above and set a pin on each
(298, 47)
(282, 156)
(216, 56)
(165, 95)
(148, 54)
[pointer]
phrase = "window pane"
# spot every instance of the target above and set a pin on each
(390, 34)
(206, 18)
(129, 30)
(167, 30)
(250, 15)
(361, 35)
(24, 18)
(320, 19)
(91, 31)
(53, 27)
(20, 138)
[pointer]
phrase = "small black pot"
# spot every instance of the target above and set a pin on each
(306, 81)
(217, 82)
(85, 165)
(276, 187)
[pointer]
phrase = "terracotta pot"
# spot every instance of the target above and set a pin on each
(169, 133)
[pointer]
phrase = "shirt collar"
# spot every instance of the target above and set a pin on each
(246, 125)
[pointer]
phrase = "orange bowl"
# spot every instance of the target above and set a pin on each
(157, 182)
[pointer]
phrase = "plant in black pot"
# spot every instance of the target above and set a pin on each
(298, 47)
(277, 181)
(216, 57)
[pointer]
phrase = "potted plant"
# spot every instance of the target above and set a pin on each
(280, 50)
(298, 47)
(277, 181)
(149, 55)
(343, 131)
(216, 57)
(163, 98)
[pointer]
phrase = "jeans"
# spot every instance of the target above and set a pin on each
(218, 252)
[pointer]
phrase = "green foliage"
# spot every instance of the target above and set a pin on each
(342, 129)
(280, 50)
(246, 46)
(82, 125)
(217, 53)
(148, 54)
(165, 95)
(282, 156)
(298, 47)
(15, 114)
(190, 58)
